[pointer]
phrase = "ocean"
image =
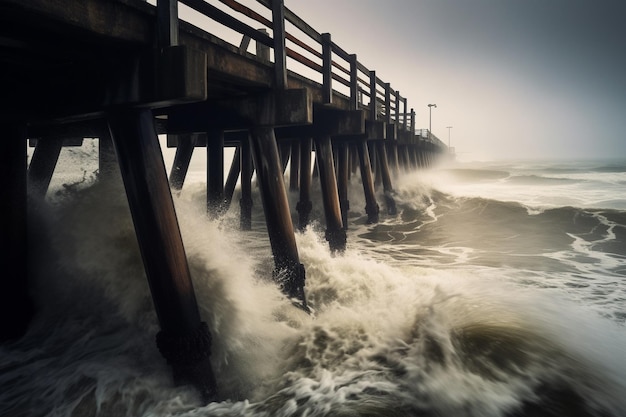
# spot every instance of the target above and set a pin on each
(497, 290)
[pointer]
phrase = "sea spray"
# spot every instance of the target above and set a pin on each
(397, 331)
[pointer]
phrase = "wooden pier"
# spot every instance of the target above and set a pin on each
(125, 71)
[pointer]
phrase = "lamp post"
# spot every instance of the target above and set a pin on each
(430, 118)
(449, 127)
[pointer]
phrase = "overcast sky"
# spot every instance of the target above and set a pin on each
(515, 78)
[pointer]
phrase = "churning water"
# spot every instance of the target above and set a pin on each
(497, 290)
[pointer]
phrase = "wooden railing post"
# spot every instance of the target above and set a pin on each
(387, 103)
(245, 43)
(327, 68)
(262, 50)
(393, 146)
(373, 99)
(412, 130)
(405, 114)
(167, 23)
(354, 83)
(397, 100)
(280, 55)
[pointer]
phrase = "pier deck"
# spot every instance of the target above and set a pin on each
(125, 71)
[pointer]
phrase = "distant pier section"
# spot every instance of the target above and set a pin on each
(126, 71)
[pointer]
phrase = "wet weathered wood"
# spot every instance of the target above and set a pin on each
(184, 340)
(167, 23)
(289, 272)
(327, 74)
(278, 33)
(386, 177)
(42, 164)
(231, 179)
(305, 205)
(354, 82)
(215, 172)
(375, 164)
(371, 206)
(387, 117)
(294, 172)
(74, 65)
(335, 233)
(246, 186)
(182, 158)
(288, 107)
(107, 161)
(373, 111)
(343, 172)
(284, 152)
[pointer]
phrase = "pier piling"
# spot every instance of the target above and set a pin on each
(386, 178)
(231, 179)
(371, 206)
(151, 74)
(343, 178)
(42, 164)
(335, 233)
(215, 172)
(245, 202)
(289, 272)
(182, 158)
(184, 340)
(305, 206)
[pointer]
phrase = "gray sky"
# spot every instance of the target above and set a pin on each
(515, 78)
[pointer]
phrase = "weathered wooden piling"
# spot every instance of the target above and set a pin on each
(42, 164)
(371, 206)
(343, 178)
(245, 202)
(231, 179)
(192, 82)
(294, 172)
(107, 161)
(335, 233)
(386, 178)
(215, 172)
(184, 340)
(305, 206)
(182, 158)
(289, 271)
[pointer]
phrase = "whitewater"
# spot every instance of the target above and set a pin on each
(497, 290)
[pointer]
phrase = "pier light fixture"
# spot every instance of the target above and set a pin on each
(430, 118)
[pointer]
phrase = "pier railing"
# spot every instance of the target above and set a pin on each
(307, 53)
(429, 136)
(126, 83)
